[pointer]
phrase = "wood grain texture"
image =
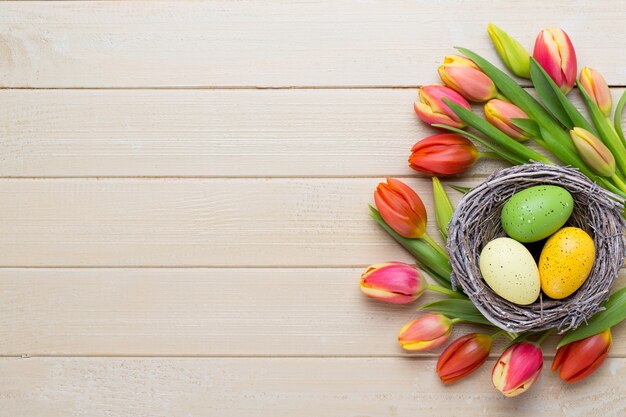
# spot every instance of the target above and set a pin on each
(213, 133)
(208, 312)
(67, 387)
(195, 222)
(282, 43)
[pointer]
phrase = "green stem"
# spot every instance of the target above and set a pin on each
(455, 321)
(618, 181)
(434, 244)
(442, 290)
(500, 96)
(491, 155)
(511, 336)
(617, 121)
(498, 334)
(543, 336)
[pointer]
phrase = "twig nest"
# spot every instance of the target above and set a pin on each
(476, 222)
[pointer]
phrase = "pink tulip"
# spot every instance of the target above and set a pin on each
(555, 53)
(393, 282)
(517, 369)
(432, 110)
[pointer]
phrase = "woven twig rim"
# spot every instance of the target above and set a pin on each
(476, 221)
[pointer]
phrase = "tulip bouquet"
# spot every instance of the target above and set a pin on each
(512, 118)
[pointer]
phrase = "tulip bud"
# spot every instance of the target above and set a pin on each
(463, 76)
(591, 149)
(444, 210)
(393, 282)
(555, 53)
(443, 155)
(512, 53)
(499, 113)
(594, 84)
(517, 368)
(401, 208)
(580, 359)
(427, 332)
(432, 110)
(463, 356)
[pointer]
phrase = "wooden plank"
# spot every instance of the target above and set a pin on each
(286, 43)
(194, 222)
(59, 387)
(208, 312)
(213, 133)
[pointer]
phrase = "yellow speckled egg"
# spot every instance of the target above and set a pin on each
(510, 270)
(565, 262)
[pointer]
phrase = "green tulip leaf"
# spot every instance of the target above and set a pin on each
(618, 116)
(613, 314)
(549, 92)
(507, 156)
(547, 95)
(457, 308)
(500, 138)
(528, 125)
(461, 188)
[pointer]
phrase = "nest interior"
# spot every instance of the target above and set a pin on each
(476, 221)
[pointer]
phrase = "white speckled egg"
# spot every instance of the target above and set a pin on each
(510, 270)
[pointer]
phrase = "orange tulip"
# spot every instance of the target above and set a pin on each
(432, 109)
(401, 208)
(427, 332)
(517, 369)
(393, 282)
(463, 76)
(443, 155)
(555, 53)
(465, 355)
(580, 359)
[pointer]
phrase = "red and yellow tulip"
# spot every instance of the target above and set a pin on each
(401, 208)
(432, 110)
(555, 53)
(499, 113)
(596, 87)
(463, 76)
(443, 155)
(591, 149)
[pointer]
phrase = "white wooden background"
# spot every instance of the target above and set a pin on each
(183, 205)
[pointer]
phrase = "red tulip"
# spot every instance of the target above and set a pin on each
(427, 332)
(393, 282)
(401, 208)
(596, 87)
(580, 359)
(499, 113)
(465, 355)
(443, 155)
(555, 53)
(432, 110)
(517, 369)
(463, 76)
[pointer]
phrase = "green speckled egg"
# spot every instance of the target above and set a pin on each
(536, 212)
